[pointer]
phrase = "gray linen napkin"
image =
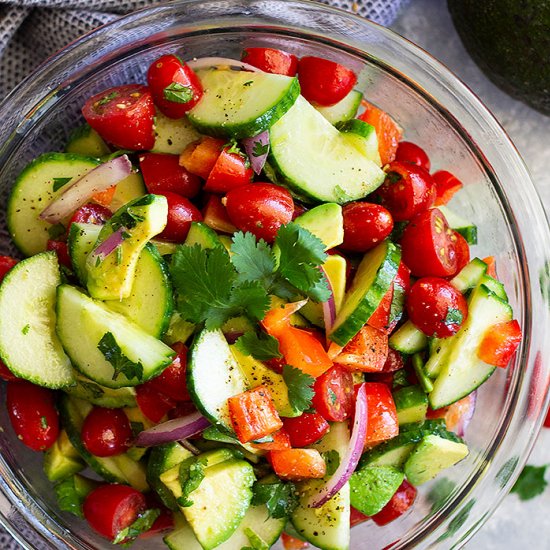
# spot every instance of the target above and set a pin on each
(32, 30)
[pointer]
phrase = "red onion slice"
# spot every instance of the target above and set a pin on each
(99, 179)
(109, 245)
(329, 307)
(207, 62)
(257, 149)
(173, 430)
(349, 461)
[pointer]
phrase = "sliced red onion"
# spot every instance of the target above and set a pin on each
(467, 414)
(349, 461)
(251, 144)
(99, 179)
(207, 62)
(329, 307)
(109, 245)
(233, 335)
(173, 430)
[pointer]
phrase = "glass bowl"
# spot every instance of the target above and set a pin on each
(438, 112)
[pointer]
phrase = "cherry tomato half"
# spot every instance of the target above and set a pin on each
(172, 381)
(91, 213)
(6, 263)
(260, 208)
(406, 191)
(401, 501)
(271, 60)
(106, 432)
(231, 170)
(429, 246)
(176, 89)
(123, 116)
(181, 212)
(436, 307)
(446, 185)
(61, 250)
(333, 398)
(163, 173)
(462, 249)
(410, 152)
(111, 508)
(200, 156)
(305, 429)
(216, 217)
(6, 374)
(324, 82)
(153, 403)
(32, 414)
(365, 225)
(382, 421)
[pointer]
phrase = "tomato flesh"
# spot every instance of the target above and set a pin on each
(32, 414)
(401, 501)
(153, 403)
(462, 249)
(216, 217)
(6, 263)
(106, 432)
(305, 429)
(231, 170)
(60, 247)
(365, 225)
(333, 398)
(382, 423)
(200, 156)
(172, 381)
(410, 152)
(123, 116)
(292, 543)
(6, 374)
(181, 213)
(91, 213)
(436, 307)
(271, 60)
(446, 185)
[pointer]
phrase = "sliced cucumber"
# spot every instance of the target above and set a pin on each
(408, 339)
(213, 376)
(87, 142)
(461, 371)
(318, 162)
(242, 104)
(36, 187)
(411, 404)
(172, 136)
(326, 527)
(101, 396)
(374, 276)
(362, 136)
(80, 242)
(83, 322)
(494, 286)
(200, 233)
(345, 109)
(467, 229)
(325, 222)
(29, 345)
(470, 275)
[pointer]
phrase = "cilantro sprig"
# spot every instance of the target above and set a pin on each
(531, 482)
(260, 345)
(300, 388)
(142, 524)
(121, 364)
(280, 497)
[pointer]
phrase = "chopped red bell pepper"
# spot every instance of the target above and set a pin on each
(104, 198)
(305, 429)
(297, 464)
(382, 423)
(446, 185)
(499, 343)
(401, 501)
(366, 351)
(491, 266)
(281, 441)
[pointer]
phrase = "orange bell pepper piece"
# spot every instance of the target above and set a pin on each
(297, 464)
(200, 156)
(491, 266)
(499, 343)
(292, 543)
(367, 351)
(104, 198)
(277, 319)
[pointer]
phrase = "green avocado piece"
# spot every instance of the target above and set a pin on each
(510, 42)
(110, 277)
(325, 222)
(62, 460)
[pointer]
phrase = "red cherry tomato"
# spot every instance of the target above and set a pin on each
(123, 116)
(292, 543)
(333, 398)
(183, 408)
(436, 307)
(462, 249)
(401, 501)
(6, 374)
(111, 508)
(32, 414)
(181, 212)
(406, 191)
(200, 156)
(428, 245)
(106, 432)
(91, 213)
(446, 185)
(165, 522)
(393, 362)
(324, 82)
(163, 173)
(6, 263)
(176, 89)
(230, 170)
(172, 382)
(271, 60)
(153, 403)
(306, 429)
(365, 225)
(410, 152)
(215, 216)
(382, 421)
(62, 251)
(260, 208)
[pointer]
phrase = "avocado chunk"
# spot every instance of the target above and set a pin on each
(325, 222)
(62, 460)
(411, 403)
(432, 455)
(371, 488)
(111, 270)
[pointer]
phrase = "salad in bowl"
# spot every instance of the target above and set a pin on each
(246, 312)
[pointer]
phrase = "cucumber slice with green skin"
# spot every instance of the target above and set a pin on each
(83, 322)
(172, 136)
(470, 275)
(494, 286)
(374, 276)
(408, 339)
(200, 233)
(461, 371)
(36, 187)
(420, 371)
(326, 527)
(372, 487)
(101, 396)
(29, 345)
(432, 455)
(467, 229)
(129, 189)
(213, 376)
(411, 404)
(241, 104)
(325, 222)
(345, 109)
(85, 141)
(317, 162)
(80, 242)
(62, 460)
(362, 136)
(115, 469)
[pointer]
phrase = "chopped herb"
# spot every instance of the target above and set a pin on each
(136, 427)
(531, 482)
(106, 99)
(191, 474)
(233, 147)
(58, 183)
(93, 389)
(256, 542)
(118, 257)
(44, 422)
(300, 388)
(72, 492)
(332, 396)
(260, 149)
(280, 497)
(126, 220)
(248, 83)
(142, 524)
(400, 379)
(454, 317)
(254, 260)
(393, 177)
(332, 460)
(260, 345)
(110, 349)
(178, 93)
(25, 329)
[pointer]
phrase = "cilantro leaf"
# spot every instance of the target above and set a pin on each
(260, 345)
(252, 299)
(332, 460)
(300, 390)
(58, 183)
(142, 524)
(110, 349)
(260, 149)
(531, 482)
(253, 260)
(106, 99)
(191, 474)
(454, 317)
(70, 497)
(280, 497)
(178, 93)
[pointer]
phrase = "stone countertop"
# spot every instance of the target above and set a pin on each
(427, 23)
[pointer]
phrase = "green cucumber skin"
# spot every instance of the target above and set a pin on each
(385, 275)
(345, 109)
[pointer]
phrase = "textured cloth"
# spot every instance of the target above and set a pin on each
(32, 30)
